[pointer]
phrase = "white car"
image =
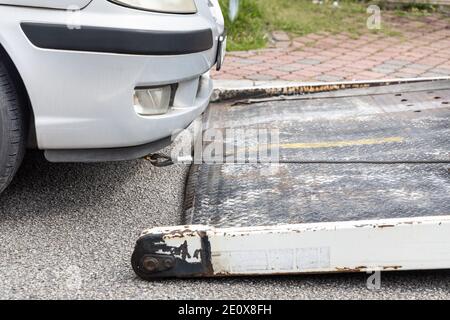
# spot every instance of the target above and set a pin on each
(102, 80)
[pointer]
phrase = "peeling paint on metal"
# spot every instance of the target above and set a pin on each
(224, 94)
(303, 248)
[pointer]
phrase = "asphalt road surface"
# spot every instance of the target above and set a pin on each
(68, 231)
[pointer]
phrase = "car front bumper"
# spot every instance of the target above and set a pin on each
(83, 98)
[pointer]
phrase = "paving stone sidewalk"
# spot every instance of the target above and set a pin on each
(422, 50)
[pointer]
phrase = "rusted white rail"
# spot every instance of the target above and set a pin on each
(358, 246)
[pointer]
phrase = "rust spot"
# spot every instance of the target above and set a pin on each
(240, 96)
(355, 269)
(392, 267)
(381, 226)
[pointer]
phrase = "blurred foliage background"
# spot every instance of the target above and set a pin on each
(257, 18)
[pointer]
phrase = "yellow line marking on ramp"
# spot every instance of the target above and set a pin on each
(338, 144)
(324, 144)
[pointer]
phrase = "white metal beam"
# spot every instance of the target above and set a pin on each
(355, 246)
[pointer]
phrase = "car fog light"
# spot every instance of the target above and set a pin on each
(152, 101)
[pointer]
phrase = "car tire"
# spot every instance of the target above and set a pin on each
(13, 125)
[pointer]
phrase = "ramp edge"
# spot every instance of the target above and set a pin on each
(231, 90)
(352, 246)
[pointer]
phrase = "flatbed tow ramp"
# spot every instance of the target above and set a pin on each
(362, 184)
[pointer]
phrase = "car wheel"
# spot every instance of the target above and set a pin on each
(13, 126)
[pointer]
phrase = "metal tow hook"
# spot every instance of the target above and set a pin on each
(159, 160)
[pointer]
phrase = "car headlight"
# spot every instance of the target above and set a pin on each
(169, 6)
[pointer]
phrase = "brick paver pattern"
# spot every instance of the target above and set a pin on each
(422, 50)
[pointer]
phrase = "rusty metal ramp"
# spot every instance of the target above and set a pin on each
(345, 180)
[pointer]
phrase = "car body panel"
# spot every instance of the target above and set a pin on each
(85, 99)
(53, 4)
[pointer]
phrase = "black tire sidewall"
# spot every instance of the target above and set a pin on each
(12, 126)
(4, 134)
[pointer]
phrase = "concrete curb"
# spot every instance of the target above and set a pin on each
(246, 89)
